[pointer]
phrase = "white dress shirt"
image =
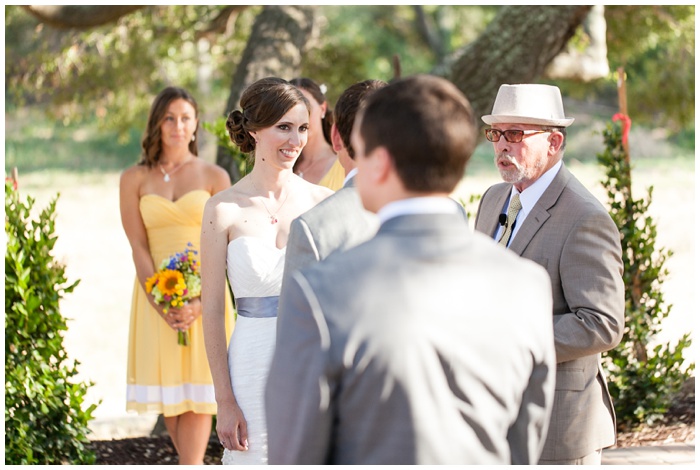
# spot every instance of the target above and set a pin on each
(352, 173)
(528, 199)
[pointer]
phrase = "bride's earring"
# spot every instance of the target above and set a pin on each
(193, 137)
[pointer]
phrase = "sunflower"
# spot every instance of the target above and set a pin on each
(172, 282)
(150, 282)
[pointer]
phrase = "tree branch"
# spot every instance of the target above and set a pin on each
(221, 24)
(428, 33)
(79, 16)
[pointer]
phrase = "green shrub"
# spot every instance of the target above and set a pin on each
(44, 421)
(642, 380)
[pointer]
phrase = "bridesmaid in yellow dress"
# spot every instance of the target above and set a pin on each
(162, 200)
(318, 162)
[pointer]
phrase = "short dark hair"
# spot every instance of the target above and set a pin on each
(262, 104)
(428, 127)
(347, 105)
(151, 144)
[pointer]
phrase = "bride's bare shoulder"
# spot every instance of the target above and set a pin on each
(227, 204)
(231, 195)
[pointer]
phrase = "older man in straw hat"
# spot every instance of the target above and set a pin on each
(543, 213)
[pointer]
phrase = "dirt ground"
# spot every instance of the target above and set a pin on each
(677, 427)
(95, 250)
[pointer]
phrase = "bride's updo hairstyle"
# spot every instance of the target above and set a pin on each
(151, 143)
(263, 104)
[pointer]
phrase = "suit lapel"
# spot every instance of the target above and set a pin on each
(540, 212)
(487, 220)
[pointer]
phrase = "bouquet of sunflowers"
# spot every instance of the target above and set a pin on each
(176, 281)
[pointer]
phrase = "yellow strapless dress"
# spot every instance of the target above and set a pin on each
(335, 177)
(163, 376)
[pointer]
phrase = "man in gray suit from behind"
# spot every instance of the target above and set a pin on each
(427, 344)
(339, 222)
(565, 229)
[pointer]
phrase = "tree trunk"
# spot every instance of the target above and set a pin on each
(79, 16)
(515, 48)
(275, 47)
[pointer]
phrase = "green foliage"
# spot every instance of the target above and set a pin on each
(471, 206)
(685, 140)
(218, 129)
(656, 46)
(642, 390)
(44, 419)
(354, 50)
(112, 72)
(642, 381)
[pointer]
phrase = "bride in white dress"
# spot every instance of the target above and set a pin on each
(244, 234)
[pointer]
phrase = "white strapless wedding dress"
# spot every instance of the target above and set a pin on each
(255, 272)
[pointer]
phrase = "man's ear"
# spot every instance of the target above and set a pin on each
(336, 139)
(381, 164)
(556, 140)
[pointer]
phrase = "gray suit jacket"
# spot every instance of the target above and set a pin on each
(571, 235)
(337, 223)
(422, 361)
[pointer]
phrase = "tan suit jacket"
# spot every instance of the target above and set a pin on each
(387, 353)
(572, 236)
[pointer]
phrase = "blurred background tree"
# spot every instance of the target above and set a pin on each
(656, 46)
(112, 72)
(105, 69)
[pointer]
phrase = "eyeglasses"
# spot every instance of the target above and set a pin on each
(512, 135)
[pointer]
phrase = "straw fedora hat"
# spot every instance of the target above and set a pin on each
(528, 104)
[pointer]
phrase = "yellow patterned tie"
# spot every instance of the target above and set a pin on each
(513, 210)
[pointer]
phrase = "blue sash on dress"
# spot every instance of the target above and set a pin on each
(257, 307)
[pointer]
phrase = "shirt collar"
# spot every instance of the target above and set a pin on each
(350, 174)
(417, 205)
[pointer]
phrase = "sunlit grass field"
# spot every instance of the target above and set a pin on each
(83, 164)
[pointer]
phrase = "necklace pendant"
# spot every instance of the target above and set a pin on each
(166, 178)
(273, 219)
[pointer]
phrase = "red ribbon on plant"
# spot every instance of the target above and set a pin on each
(13, 181)
(626, 125)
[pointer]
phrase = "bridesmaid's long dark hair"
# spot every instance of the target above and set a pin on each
(151, 144)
